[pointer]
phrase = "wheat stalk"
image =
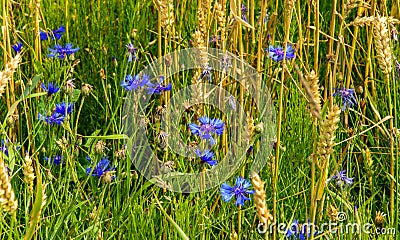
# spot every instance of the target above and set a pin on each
(327, 135)
(7, 73)
(29, 174)
(382, 43)
(325, 146)
(7, 197)
(166, 9)
(259, 200)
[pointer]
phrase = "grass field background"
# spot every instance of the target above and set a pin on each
(340, 47)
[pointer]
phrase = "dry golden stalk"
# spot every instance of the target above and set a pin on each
(369, 165)
(382, 43)
(7, 197)
(29, 174)
(8, 72)
(259, 200)
(166, 9)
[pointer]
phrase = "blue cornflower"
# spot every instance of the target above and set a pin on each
(59, 114)
(214, 39)
(131, 52)
(102, 167)
(250, 149)
(58, 32)
(4, 148)
(277, 53)
(56, 160)
(62, 51)
(225, 62)
(130, 83)
(205, 73)
(206, 156)
(341, 179)
(239, 191)
(158, 87)
(54, 34)
(51, 88)
(348, 97)
(296, 231)
(397, 68)
(232, 102)
(43, 36)
(64, 108)
(54, 118)
(244, 11)
(207, 128)
(114, 61)
(17, 47)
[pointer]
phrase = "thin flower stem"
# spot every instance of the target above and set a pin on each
(316, 36)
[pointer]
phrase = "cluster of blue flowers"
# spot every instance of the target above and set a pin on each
(207, 128)
(59, 51)
(58, 116)
(55, 34)
(133, 83)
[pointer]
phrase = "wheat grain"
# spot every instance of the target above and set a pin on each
(7, 73)
(259, 200)
(29, 174)
(7, 197)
